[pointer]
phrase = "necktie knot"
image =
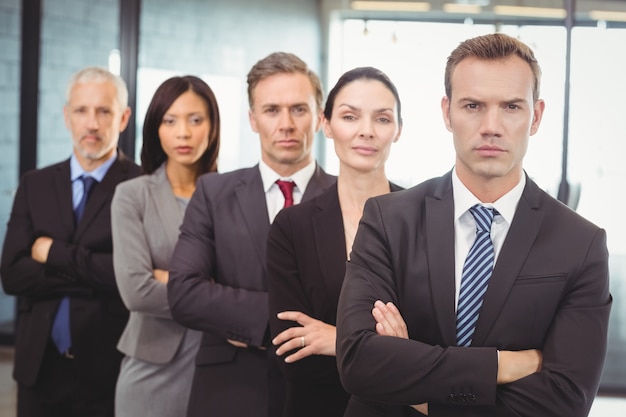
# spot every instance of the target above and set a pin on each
(483, 217)
(88, 183)
(286, 187)
(476, 273)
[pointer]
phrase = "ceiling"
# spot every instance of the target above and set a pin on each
(585, 11)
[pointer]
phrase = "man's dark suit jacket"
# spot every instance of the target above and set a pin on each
(306, 263)
(218, 285)
(549, 291)
(79, 265)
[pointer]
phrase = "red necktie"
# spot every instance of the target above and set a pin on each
(286, 187)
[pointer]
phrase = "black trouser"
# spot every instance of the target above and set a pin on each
(60, 392)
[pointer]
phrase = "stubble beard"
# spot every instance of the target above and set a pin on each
(94, 155)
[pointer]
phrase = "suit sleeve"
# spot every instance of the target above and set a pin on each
(393, 370)
(21, 275)
(83, 266)
(286, 293)
(199, 297)
(410, 372)
(132, 260)
(575, 345)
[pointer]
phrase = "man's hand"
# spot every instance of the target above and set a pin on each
(313, 337)
(517, 365)
(237, 344)
(40, 249)
(389, 321)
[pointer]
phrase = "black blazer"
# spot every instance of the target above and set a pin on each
(79, 265)
(306, 263)
(218, 285)
(549, 291)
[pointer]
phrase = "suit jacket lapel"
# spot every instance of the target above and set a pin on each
(519, 240)
(251, 197)
(440, 245)
(167, 207)
(63, 195)
(320, 181)
(329, 238)
(101, 194)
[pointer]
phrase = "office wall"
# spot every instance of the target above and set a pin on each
(216, 37)
(9, 127)
(221, 40)
(74, 34)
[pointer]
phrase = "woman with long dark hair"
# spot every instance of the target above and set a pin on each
(181, 138)
(309, 244)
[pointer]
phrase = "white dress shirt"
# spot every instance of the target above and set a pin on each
(273, 196)
(465, 225)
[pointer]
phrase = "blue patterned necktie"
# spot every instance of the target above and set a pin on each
(476, 273)
(61, 325)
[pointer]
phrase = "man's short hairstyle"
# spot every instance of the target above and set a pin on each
(98, 75)
(281, 63)
(496, 46)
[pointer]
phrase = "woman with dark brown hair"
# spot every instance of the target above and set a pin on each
(309, 244)
(181, 137)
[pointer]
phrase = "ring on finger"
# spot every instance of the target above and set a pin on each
(302, 341)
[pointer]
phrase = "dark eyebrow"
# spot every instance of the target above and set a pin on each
(384, 110)
(351, 107)
(348, 106)
(470, 99)
(516, 101)
(269, 105)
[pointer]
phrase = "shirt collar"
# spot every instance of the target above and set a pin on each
(506, 205)
(77, 171)
(301, 177)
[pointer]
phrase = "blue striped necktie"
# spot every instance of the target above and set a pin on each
(476, 273)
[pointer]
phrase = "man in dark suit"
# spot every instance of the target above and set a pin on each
(217, 276)
(57, 259)
(534, 341)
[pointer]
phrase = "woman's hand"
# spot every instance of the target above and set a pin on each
(161, 275)
(312, 337)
